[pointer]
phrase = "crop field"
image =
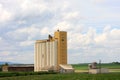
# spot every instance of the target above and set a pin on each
(85, 66)
(72, 76)
(81, 69)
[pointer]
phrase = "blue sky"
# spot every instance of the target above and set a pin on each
(93, 28)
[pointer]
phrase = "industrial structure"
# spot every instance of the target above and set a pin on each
(51, 53)
(93, 69)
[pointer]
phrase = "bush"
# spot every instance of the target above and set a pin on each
(10, 74)
(0, 69)
(115, 62)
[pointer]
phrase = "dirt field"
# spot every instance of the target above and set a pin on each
(110, 70)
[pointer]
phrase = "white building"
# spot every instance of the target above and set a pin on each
(46, 55)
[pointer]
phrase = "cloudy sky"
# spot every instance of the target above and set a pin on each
(93, 28)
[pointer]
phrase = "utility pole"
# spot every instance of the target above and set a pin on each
(100, 66)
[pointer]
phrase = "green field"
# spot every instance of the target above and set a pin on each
(73, 76)
(81, 75)
(85, 66)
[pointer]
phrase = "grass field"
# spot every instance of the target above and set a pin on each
(85, 66)
(73, 76)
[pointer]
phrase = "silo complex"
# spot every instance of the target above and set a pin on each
(51, 53)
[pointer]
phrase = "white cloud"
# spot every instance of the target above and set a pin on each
(115, 33)
(4, 14)
(0, 39)
(63, 26)
(98, 1)
(101, 38)
(71, 15)
(109, 38)
(27, 33)
(33, 7)
(94, 46)
(65, 5)
(5, 53)
(44, 31)
(15, 56)
(17, 35)
(78, 40)
(7, 56)
(107, 29)
(27, 43)
(30, 20)
(22, 22)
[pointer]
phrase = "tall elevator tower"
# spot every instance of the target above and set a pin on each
(61, 37)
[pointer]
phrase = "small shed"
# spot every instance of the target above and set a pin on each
(5, 68)
(66, 68)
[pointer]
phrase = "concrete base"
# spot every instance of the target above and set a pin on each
(66, 69)
(96, 71)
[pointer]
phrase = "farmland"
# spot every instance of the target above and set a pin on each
(72, 76)
(84, 67)
(81, 74)
(107, 65)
